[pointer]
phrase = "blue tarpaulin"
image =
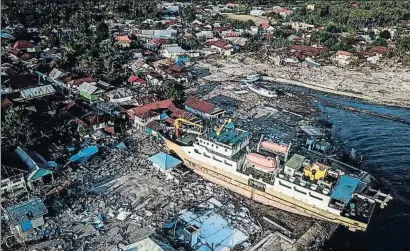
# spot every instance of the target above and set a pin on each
(121, 146)
(84, 154)
(53, 164)
(181, 60)
(345, 188)
(70, 148)
(25, 226)
(163, 116)
(164, 161)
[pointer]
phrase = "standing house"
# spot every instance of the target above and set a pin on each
(343, 57)
(172, 51)
(203, 109)
(123, 41)
(89, 91)
(222, 47)
(257, 13)
(205, 34)
(142, 115)
(26, 216)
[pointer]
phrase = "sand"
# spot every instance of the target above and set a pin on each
(257, 20)
(383, 85)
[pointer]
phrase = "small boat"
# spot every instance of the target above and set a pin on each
(312, 62)
(240, 92)
(253, 78)
(262, 91)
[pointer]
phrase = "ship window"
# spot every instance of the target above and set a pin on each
(299, 191)
(315, 197)
(206, 155)
(285, 185)
(216, 147)
(217, 159)
(196, 151)
(226, 150)
(227, 163)
(257, 185)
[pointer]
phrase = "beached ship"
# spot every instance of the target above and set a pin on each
(267, 175)
(262, 91)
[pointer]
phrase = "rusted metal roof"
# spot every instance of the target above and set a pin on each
(200, 105)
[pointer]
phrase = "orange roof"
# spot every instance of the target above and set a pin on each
(261, 162)
(123, 39)
(274, 147)
(343, 53)
(162, 104)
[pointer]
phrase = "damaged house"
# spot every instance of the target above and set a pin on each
(26, 216)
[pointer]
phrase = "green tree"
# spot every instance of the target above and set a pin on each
(385, 34)
(403, 46)
(102, 32)
(380, 42)
(16, 129)
(172, 89)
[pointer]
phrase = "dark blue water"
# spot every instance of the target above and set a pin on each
(385, 145)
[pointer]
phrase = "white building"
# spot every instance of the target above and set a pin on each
(343, 57)
(204, 35)
(373, 60)
(257, 13)
(173, 52)
(222, 48)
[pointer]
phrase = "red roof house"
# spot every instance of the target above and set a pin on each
(379, 50)
(202, 108)
(123, 39)
(232, 5)
(134, 79)
(343, 53)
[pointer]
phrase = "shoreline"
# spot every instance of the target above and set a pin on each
(387, 86)
(311, 86)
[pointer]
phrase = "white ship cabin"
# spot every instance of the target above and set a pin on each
(225, 150)
(324, 187)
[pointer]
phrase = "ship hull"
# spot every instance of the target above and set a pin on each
(268, 197)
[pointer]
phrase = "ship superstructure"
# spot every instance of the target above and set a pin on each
(270, 175)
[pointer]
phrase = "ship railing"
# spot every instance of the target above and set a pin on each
(381, 198)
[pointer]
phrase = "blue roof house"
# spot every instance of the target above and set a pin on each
(26, 216)
(164, 162)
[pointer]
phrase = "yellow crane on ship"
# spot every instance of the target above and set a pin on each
(219, 130)
(178, 121)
